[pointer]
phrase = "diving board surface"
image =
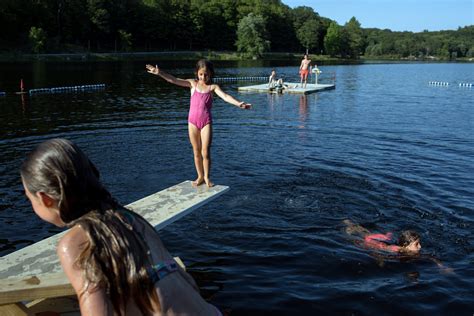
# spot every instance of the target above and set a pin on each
(293, 87)
(39, 261)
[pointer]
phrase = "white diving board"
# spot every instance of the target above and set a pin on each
(34, 272)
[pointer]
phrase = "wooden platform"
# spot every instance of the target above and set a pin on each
(293, 87)
(34, 272)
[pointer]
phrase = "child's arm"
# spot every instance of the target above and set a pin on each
(441, 266)
(154, 70)
(230, 99)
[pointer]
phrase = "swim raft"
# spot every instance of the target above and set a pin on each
(293, 87)
(32, 280)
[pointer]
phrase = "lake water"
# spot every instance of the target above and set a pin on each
(385, 149)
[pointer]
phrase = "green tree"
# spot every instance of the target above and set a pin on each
(332, 41)
(125, 40)
(37, 38)
(356, 41)
(308, 34)
(251, 36)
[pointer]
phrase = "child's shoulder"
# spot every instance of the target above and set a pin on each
(72, 242)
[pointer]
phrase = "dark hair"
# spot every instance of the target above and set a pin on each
(60, 169)
(115, 257)
(407, 237)
(203, 63)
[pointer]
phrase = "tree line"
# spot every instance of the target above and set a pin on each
(251, 27)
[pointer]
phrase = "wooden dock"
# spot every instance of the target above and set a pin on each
(34, 275)
(290, 87)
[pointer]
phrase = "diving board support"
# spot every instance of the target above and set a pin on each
(34, 272)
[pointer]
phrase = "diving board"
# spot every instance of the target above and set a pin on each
(34, 272)
(290, 87)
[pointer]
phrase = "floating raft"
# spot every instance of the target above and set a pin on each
(34, 274)
(293, 87)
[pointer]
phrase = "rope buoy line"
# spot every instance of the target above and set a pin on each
(443, 83)
(439, 83)
(89, 87)
(240, 78)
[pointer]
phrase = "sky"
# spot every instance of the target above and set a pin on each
(396, 15)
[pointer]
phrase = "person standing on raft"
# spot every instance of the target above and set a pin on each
(304, 70)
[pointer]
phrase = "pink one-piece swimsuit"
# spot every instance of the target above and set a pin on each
(200, 108)
(378, 241)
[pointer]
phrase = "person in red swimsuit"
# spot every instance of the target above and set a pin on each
(200, 118)
(304, 70)
(408, 241)
(408, 245)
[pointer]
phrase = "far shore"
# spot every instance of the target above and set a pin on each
(212, 55)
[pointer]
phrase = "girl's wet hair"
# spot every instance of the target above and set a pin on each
(203, 63)
(115, 256)
(407, 237)
(60, 169)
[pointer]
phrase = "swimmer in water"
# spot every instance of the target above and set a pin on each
(408, 242)
(407, 246)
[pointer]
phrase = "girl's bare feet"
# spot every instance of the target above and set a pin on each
(198, 182)
(208, 182)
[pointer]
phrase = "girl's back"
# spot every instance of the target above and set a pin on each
(176, 289)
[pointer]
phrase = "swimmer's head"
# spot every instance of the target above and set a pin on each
(409, 240)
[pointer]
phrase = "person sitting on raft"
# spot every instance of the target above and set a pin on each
(273, 82)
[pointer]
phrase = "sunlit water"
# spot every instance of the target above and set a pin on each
(384, 149)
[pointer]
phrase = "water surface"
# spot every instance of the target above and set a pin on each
(384, 149)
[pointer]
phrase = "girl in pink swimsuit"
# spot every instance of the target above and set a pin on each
(408, 241)
(407, 247)
(200, 118)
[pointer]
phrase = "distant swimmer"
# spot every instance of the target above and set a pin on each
(407, 246)
(408, 242)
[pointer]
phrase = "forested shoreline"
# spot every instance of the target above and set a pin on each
(251, 28)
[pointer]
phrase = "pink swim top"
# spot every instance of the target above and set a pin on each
(378, 241)
(200, 108)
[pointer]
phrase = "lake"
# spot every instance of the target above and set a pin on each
(385, 149)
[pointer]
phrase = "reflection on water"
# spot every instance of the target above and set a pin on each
(303, 106)
(384, 149)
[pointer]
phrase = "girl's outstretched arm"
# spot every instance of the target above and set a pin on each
(154, 70)
(230, 99)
